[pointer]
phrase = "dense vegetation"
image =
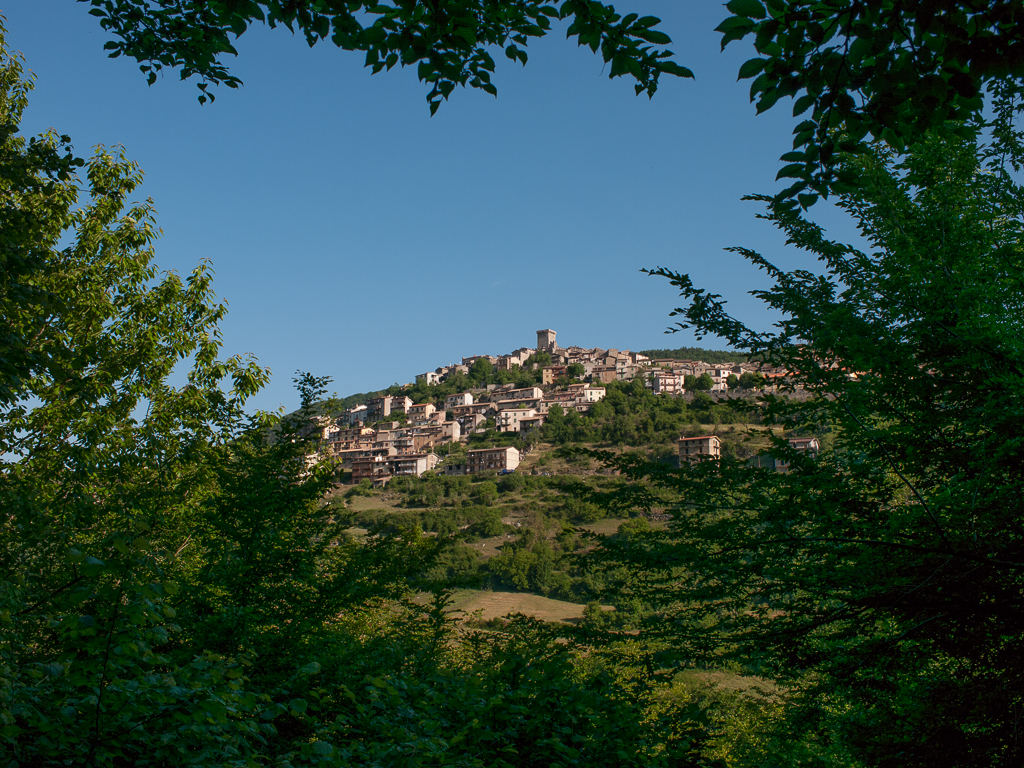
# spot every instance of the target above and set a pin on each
(697, 353)
(175, 590)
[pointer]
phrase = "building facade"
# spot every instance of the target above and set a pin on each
(693, 448)
(499, 459)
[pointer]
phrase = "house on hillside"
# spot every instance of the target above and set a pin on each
(508, 421)
(353, 416)
(808, 445)
(499, 459)
(463, 398)
(695, 448)
(551, 372)
(421, 412)
(666, 383)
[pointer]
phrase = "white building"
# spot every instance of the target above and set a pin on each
(463, 398)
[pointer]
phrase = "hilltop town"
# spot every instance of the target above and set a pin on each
(405, 432)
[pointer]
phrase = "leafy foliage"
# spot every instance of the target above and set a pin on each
(173, 589)
(865, 70)
(697, 353)
(449, 42)
(882, 69)
(883, 576)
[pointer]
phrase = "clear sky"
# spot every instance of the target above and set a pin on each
(357, 237)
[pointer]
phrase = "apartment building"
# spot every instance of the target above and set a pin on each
(508, 405)
(483, 409)
(471, 422)
(373, 468)
(463, 398)
(421, 412)
(380, 469)
(492, 459)
(693, 448)
(379, 408)
(551, 372)
(524, 393)
(809, 445)
(401, 404)
(508, 421)
(352, 416)
(531, 422)
(413, 464)
(517, 358)
(665, 383)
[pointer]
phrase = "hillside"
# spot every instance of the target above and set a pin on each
(697, 353)
(523, 531)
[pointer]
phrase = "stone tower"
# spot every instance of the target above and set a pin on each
(546, 341)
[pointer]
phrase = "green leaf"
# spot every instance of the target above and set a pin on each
(751, 68)
(734, 24)
(653, 36)
(802, 104)
(792, 171)
(750, 8)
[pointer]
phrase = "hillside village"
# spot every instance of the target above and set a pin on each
(396, 435)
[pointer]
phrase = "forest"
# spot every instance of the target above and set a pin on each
(176, 588)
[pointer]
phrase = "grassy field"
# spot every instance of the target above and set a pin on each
(493, 605)
(608, 526)
(377, 501)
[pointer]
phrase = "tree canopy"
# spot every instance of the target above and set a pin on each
(174, 588)
(881, 579)
(450, 42)
(863, 69)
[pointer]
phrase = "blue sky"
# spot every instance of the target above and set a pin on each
(357, 237)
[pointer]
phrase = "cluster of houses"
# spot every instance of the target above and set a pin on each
(599, 365)
(668, 377)
(409, 438)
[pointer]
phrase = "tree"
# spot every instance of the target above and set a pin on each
(882, 581)
(481, 371)
(878, 69)
(732, 381)
(703, 383)
(575, 371)
(172, 591)
(486, 492)
(103, 466)
(36, 197)
(751, 380)
(881, 69)
(450, 43)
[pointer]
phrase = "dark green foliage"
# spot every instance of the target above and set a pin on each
(490, 438)
(702, 383)
(886, 575)
(172, 589)
(750, 380)
(540, 359)
(877, 70)
(450, 44)
(697, 353)
(575, 371)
